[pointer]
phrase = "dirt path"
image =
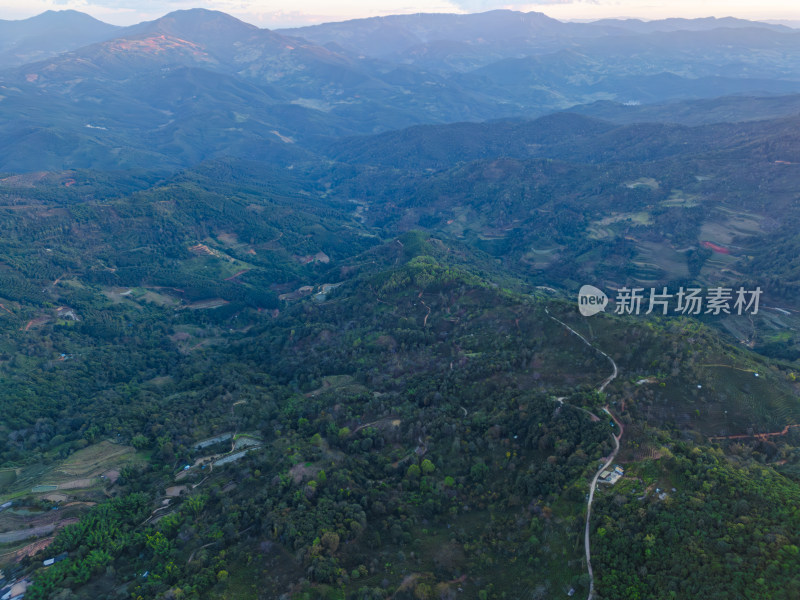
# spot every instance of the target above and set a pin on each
(608, 379)
(232, 277)
(757, 436)
(29, 550)
(382, 420)
(425, 322)
(612, 456)
(592, 488)
(731, 367)
(191, 556)
(280, 235)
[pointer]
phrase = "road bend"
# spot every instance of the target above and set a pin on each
(612, 456)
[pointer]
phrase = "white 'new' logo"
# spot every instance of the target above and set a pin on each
(591, 300)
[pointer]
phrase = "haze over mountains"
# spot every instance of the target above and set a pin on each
(48, 34)
(365, 108)
(197, 84)
(465, 41)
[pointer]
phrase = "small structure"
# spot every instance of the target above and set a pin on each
(611, 476)
(66, 313)
(55, 559)
(300, 292)
(202, 250)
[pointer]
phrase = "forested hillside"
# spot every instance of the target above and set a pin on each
(293, 314)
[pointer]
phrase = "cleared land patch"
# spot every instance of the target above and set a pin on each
(607, 227)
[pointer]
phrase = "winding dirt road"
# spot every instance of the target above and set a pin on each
(612, 456)
(425, 322)
(586, 541)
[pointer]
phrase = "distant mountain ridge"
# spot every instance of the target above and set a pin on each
(48, 34)
(199, 84)
(678, 24)
(498, 33)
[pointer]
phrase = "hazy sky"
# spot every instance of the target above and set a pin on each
(277, 13)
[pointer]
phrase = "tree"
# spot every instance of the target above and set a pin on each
(330, 541)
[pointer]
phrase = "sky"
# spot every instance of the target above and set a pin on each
(288, 13)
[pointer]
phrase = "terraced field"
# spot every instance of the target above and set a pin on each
(88, 469)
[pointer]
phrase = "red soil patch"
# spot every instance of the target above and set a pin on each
(715, 248)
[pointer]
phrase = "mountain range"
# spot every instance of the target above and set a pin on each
(200, 84)
(49, 34)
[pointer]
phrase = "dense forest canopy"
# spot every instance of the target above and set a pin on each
(259, 338)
